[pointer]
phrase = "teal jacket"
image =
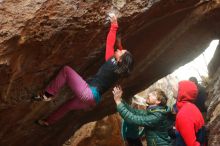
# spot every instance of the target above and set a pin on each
(154, 121)
(130, 130)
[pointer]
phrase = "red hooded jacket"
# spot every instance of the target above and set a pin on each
(189, 119)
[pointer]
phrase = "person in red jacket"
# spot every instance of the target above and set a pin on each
(88, 93)
(189, 120)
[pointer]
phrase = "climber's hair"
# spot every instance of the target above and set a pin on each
(126, 64)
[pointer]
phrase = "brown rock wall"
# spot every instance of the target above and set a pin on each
(38, 37)
(214, 100)
(105, 132)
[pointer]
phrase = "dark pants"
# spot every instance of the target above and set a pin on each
(134, 142)
(200, 137)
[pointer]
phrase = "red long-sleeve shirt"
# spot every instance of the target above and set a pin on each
(110, 42)
(106, 76)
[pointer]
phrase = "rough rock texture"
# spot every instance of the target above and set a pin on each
(105, 132)
(214, 100)
(38, 37)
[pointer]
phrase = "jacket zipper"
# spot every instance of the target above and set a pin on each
(154, 143)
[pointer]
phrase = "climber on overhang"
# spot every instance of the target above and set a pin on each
(87, 94)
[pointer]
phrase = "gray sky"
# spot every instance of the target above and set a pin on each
(198, 66)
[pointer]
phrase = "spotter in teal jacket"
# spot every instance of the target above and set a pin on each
(154, 121)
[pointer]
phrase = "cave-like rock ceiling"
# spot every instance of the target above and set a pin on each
(38, 37)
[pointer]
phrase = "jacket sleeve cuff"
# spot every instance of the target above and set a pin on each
(120, 106)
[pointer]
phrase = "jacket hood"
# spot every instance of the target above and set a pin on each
(187, 92)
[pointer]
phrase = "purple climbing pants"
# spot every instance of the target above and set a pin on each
(83, 97)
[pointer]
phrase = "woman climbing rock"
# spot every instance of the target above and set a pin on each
(87, 94)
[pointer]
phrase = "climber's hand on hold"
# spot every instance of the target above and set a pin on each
(112, 17)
